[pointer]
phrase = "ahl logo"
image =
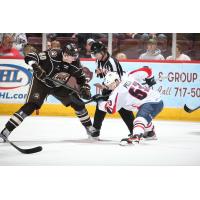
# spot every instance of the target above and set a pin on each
(13, 76)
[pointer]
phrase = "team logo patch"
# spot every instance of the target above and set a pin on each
(53, 53)
(66, 66)
(62, 76)
(36, 95)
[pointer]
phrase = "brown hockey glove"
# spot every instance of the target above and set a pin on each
(38, 71)
(88, 74)
(100, 86)
(85, 92)
(100, 97)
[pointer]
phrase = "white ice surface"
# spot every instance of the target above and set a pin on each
(64, 142)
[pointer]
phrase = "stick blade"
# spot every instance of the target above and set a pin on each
(27, 151)
(187, 109)
(33, 150)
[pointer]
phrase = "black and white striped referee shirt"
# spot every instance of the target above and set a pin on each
(111, 64)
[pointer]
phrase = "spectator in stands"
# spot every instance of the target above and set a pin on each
(20, 40)
(152, 53)
(179, 54)
(147, 36)
(133, 35)
(48, 44)
(82, 38)
(55, 44)
(1, 37)
(121, 56)
(6, 46)
(51, 36)
(86, 52)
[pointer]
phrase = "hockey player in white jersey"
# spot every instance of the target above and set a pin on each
(130, 94)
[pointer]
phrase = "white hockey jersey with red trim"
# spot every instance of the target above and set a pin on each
(140, 74)
(130, 93)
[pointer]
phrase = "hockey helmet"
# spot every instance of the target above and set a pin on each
(71, 50)
(97, 47)
(110, 78)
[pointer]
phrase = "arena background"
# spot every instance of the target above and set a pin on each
(177, 81)
(153, 15)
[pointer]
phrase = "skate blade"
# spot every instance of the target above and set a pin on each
(93, 139)
(2, 140)
(134, 142)
(151, 138)
(125, 143)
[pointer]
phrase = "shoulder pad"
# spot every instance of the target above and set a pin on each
(31, 56)
(55, 54)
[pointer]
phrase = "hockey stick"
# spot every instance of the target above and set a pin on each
(62, 84)
(77, 101)
(25, 151)
(74, 99)
(190, 110)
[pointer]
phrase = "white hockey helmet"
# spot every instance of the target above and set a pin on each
(110, 78)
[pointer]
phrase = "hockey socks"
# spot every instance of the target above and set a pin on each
(13, 122)
(84, 117)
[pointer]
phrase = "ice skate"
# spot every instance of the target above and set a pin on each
(93, 133)
(150, 135)
(131, 140)
(4, 134)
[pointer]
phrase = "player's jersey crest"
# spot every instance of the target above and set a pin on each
(53, 53)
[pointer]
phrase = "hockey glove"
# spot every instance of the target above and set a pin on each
(98, 97)
(85, 92)
(150, 81)
(38, 71)
(106, 93)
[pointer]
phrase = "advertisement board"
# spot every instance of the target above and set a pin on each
(14, 80)
(178, 82)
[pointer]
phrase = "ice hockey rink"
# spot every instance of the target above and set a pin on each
(64, 142)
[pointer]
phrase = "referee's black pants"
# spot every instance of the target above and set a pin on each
(126, 115)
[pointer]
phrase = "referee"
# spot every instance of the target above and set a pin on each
(106, 63)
